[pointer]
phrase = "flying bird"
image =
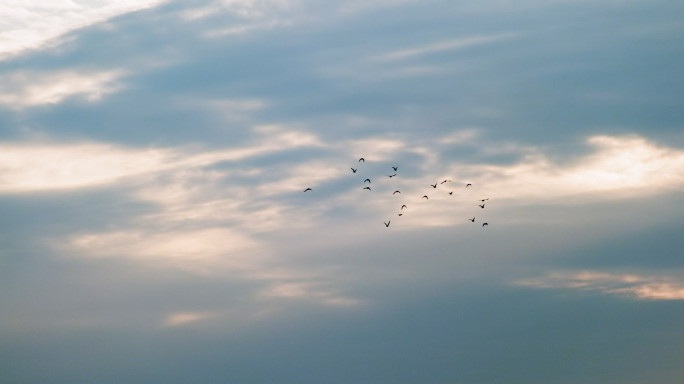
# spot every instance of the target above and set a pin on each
(468, 185)
(481, 206)
(485, 199)
(451, 193)
(425, 197)
(353, 170)
(387, 223)
(472, 220)
(400, 214)
(445, 181)
(368, 188)
(368, 180)
(308, 189)
(433, 185)
(395, 168)
(404, 206)
(362, 160)
(395, 192)
(391, 176)
(483, 224)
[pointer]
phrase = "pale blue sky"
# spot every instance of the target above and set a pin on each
(154, 230)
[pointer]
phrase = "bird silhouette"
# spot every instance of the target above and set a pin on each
(391, 176)
(308, 189)
(353, 170)
(362, 160)
(451, 193)
(395, 192)
(387, 223)
(368, 180)
(433, 185)
(481, 206)
(445, 181)
(425, 197)
(404, 206)
(468, 185)
(483, 224)
(485, 199)
(472, 220)
(368, 188)
(395, 168)
(400, 214)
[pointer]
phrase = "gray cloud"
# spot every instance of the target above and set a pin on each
(154, 227)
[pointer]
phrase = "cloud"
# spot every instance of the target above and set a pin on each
(185, 318)
(29, 24)
(44, 167)
(620, 165)
(23, 89)
(308, 290)
(631, 285)
(211, 250)
(441, 46)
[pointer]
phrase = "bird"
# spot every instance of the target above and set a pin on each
(368, 188)
(368, 180)
(485, 199)
(468, 185)
(391, 176)
(433, 185)
(451, 193)
(481, 206)
(472, 220)
(395, 192)
(308, 189)
(362, 160)
(425, 197)
(445, 181)
(400, 214)
(404, 206)
(387, 223)
(353, 170)
(483, 224)
(395, 168)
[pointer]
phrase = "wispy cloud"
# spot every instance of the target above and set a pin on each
(631, 285)
(620, 166)
(30, 24)
(23, 89)
(441, 46)
(186, 318)
(40, 167)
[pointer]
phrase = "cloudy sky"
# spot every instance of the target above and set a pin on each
(153, 156)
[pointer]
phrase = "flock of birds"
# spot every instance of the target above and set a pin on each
(434, 186)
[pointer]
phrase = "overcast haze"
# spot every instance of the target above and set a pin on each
(154, 228)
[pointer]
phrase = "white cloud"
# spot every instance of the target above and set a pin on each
(211, 250)
(620, 166)
(29, 24)
(308, 291)
(30, 88)
(636, 286)
(185, 318)
(41, 167)
(442, 46)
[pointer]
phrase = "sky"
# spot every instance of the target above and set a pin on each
(154, 228)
